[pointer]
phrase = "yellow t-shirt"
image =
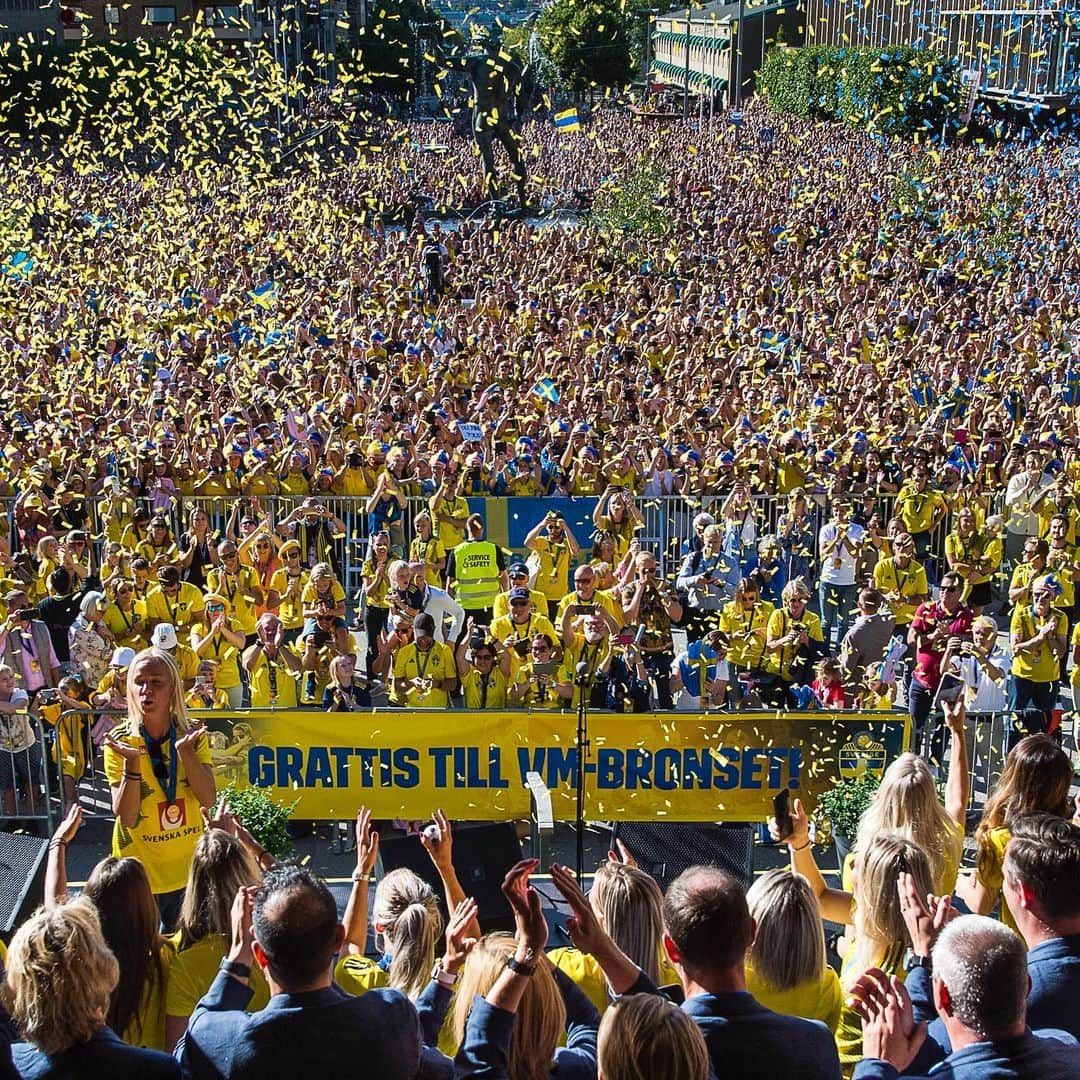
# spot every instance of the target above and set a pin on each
(1038, 665)
(448, 534)
(284, 684)
(195, 968)
(501, 607)
(223, 652)
(497, 690)
(311, 595)
(746, 651)
(601, 599)
(147, 1027)
(180, 611)
(553, 576)
(585, 973)
(779, 625)
(163, 838)
(438, 663)
(816, 999)
(917, 510)
(536, 697)
(429, 552)
(218, 699)
(356, 974)
(992, 876)
(291, 608)
(537, 623)
(241, 608)
(1060, 562)
(849, 1030)
(125, 627)
(907, 582)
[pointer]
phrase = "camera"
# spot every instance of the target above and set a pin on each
(521, 647)
(355, 461)
(477, 640)
(319, 638)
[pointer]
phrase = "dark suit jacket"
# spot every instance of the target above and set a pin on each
(324, 1034)
(104, 1056)
(747, 1040)
(1054, 967)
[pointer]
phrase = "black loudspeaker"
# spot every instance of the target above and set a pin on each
(22, 878)
(482, 856)
(666, 849)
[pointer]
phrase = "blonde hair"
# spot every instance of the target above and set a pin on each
(645, 1036)
(906, 803)
(541, 1017)
(789, 947)
(880, 933)
(337, 663)
(795, 589)
(321, 570)
(220, 867)
(984, 622)
(710, 532)
(629, 904)
(60, 976)
(177, 706)
(406, 912)
(394, 568)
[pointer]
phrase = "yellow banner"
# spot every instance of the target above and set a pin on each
(678, 766)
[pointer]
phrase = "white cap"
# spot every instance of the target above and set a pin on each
(122, 657)
(164, 636)
(112, 482)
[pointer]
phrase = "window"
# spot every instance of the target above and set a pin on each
(219, 17)
(111, 15)
(159, 16)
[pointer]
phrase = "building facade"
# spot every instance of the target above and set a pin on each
(1024, 52)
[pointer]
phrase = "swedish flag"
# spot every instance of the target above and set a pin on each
(265, 295)
(567, 121)
(545, 388)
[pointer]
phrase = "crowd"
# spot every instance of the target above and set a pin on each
(842, 371)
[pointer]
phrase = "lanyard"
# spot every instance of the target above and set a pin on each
(422, 671)
(484, 680)
(168, 787)
(28, 644)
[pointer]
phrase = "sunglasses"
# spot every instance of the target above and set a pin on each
(519, 603)
(215, 607)
(262, 544)
(228, 554)
(483, 656)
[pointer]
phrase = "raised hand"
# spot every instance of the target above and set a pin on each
(367, 842)
(531, 929)
(441, 849)
(458, 942)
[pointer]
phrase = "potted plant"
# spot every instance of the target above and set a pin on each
(263, 817)
(842, 806)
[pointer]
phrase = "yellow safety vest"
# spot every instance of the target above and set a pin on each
(476, 574)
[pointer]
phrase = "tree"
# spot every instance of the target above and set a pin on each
(589, 44)
(384, 56)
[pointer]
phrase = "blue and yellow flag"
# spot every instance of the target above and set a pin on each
(568, 120)
(545, 388)
(265, 295)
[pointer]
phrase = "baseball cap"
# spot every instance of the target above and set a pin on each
(164, 636)
(515, 569)
(424, 624)
(122, 657)
(519, 594)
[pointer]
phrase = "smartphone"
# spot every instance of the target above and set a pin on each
(545, 667)
(781, 806)
(952, 686)
(586, 609)
(625, 637)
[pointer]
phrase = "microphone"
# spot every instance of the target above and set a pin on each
(582, 674)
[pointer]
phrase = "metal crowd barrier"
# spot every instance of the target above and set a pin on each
(27, 790)
(667, 521)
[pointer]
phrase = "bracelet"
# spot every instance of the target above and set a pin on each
(518, 968)
(58, 842)
(359, 877)
(132, 775)
(803, 848)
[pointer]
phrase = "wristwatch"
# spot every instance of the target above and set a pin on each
(235, 968)
(359, 876)
(913, 961)
(444, 978)
(518, 968)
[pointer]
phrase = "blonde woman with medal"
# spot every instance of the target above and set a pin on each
(160, 776)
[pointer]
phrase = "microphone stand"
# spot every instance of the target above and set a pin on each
(583, 680)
